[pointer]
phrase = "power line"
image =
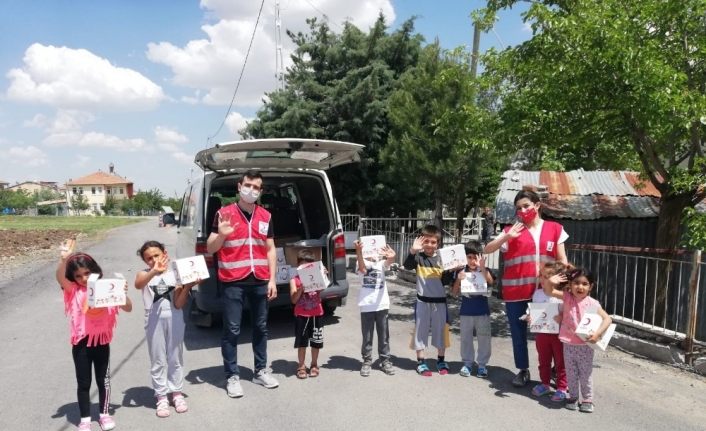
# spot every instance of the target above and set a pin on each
(242, 70)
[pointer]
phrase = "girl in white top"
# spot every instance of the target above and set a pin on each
(164, 325)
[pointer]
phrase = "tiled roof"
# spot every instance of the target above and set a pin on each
(99, 178)
(581, 195)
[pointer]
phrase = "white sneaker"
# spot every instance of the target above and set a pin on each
(264, 378)
(233, 388)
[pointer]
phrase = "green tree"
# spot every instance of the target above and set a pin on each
(79, 203)
(337, 88)
(19, 200)
(148, 201)
(441, 130)
(612, 84)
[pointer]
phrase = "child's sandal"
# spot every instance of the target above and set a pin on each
(162, 407)
(314, 371)
(301, 373)
(423, 370)
(179, 403)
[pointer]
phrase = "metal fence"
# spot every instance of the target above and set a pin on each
(648, 292)
(401, 232)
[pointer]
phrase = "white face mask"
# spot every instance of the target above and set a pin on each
(249, 195)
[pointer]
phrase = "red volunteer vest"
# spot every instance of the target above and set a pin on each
(245, 250)
(520, 273)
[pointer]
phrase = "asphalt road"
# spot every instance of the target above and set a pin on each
(38, 386)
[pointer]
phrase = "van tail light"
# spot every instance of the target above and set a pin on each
(201, 249)
(339, 247)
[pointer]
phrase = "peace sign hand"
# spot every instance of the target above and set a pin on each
(66, 248)
(225, 227)
(160, 265)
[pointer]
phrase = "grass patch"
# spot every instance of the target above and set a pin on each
(85, 224)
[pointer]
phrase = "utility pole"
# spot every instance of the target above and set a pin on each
(461, 194)
(279, 66)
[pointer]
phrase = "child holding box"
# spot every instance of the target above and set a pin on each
(549, 346)
(475, 312)
(578, 357)
(308, 327)
(164, 298)
(374, 303)
(430, 313)
(91, 332)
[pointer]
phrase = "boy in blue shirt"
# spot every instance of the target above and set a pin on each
(475, 311)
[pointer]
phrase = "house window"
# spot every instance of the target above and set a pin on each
(75, 192)
(80, 190)
(121, 190)
(93, 190)
(107, 191)
(100, 190)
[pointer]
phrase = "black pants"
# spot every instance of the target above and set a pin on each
(97, 357)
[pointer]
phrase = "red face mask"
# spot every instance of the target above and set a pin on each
(527, 216)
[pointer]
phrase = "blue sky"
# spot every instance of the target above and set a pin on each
(142, 84)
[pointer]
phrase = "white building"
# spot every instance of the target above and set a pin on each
(97, 187)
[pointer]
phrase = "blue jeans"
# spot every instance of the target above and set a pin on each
(518, 331)
(233, 296)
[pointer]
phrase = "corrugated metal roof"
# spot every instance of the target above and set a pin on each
(581, 195)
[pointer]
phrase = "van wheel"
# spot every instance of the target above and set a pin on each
(329, 308)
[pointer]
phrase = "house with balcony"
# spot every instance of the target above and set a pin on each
(97, 188)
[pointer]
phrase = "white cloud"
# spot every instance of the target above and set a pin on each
(94, 140)
(67, 120)
(81, 161)
(169, 141)
(235, 122)
(213, 64)
(77, 78)
(30, 156)
(527, 27)
(39, 121)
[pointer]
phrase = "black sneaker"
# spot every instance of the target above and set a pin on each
(521, 379)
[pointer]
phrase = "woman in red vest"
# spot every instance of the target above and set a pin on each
(526, 245)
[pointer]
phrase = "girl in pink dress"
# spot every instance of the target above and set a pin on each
(91, 332)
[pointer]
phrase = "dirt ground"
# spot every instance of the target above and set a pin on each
(18, 247)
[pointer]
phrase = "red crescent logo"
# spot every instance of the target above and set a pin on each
(311, 277)
(192, 262)
(112, 286)
(91, 292)
(588, 321)
(544, 315)
(453, 253)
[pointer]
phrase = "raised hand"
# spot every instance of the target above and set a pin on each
(481, 262)
(225, 227)
(418, 245)
(160, 265)
(388, 252)
(516, 230)
(66, 248)
(557, 279)
(358, 245)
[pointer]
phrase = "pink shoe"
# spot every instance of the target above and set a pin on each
(106, 422)
(84, 426)
(179, 402)
(162, 407)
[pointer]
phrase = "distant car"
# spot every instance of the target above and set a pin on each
(296, 191)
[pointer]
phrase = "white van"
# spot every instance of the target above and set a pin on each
(297, 192)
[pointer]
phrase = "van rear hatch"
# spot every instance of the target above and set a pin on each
(278, 153)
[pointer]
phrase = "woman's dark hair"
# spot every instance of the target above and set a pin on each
(305, 255)
(149, 244)
(526, 193)
(582, 272)
(78, 261)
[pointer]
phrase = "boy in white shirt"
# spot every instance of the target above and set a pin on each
(374, 303)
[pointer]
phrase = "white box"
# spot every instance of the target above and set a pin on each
(373, 245)
(542, 316)
(313, 276)
(285, 273)
(453, 256)
(190, 269)
(590, 322)
(281, 259)
(106, 292)
(474, 284)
